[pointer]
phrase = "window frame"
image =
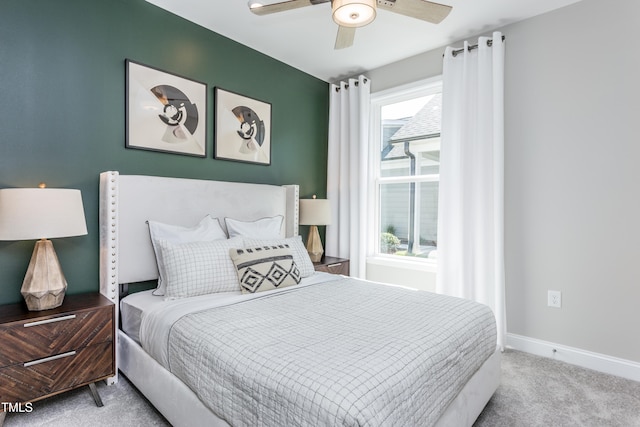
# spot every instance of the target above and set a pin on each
(378, 100)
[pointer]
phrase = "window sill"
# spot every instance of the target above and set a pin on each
(429, 265)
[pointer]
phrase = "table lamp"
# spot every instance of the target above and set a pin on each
(42, 213)
(315, 212)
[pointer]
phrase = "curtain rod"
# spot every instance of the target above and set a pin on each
(472, 47)
(346, 86)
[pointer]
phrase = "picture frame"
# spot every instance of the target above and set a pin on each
(165, 112)
(242, 128)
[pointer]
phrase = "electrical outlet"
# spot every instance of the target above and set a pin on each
(554, 299)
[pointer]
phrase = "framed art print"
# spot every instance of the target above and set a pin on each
(242, 128)
(165, 112)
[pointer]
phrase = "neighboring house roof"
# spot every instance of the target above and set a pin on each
(424, 124)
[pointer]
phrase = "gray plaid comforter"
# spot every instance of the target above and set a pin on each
(340, 353)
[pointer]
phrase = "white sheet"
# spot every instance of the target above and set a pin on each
(132, 308)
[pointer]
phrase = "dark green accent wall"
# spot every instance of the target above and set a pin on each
(62, 121)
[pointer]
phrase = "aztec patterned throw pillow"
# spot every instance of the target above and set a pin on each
(263, 268)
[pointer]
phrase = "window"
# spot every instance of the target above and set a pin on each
(406, 158)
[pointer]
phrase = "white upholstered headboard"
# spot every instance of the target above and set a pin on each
(128, 201)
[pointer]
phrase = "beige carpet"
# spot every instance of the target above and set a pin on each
(535, 391)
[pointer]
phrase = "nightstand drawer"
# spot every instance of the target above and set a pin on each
(51, 335)
(20, 383)
(333, 265)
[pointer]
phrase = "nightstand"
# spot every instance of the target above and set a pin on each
(52, 351)
(332, 265)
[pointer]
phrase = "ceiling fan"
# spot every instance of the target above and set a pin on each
(351, 14)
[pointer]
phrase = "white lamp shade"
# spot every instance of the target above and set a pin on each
(353, 13)
(315, 212)
(41, 213)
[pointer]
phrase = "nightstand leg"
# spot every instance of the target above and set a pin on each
(96, 396)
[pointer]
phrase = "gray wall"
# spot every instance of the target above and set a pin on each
(571, 170)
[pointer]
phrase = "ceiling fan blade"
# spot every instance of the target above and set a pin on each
(419, 9)
(345, 37)
(256, 7)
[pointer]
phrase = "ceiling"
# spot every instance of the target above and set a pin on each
(304, 38)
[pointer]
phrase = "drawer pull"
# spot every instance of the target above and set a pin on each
(49, 359)
(334, 265)
(53, 320)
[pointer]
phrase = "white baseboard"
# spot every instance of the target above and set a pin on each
(575, 356)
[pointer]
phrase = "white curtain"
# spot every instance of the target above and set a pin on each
(347, 171)
(471, 203)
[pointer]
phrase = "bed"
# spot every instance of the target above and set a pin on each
(217, 359)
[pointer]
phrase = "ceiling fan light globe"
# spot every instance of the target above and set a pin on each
(353, 13)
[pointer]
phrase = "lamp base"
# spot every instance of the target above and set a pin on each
(44, 285)
(314, 244)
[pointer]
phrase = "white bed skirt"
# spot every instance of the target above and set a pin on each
(181, 407)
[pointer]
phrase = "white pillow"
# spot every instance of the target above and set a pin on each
(300, 254)
(208, 229)
(199, 268)
(264, 228)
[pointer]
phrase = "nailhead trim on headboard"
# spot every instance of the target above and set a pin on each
(293, 198)
(108, 247)
(109, 235)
